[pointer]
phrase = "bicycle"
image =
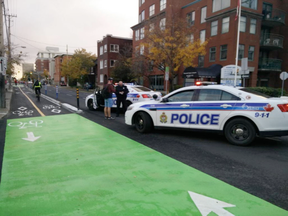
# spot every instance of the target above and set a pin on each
(37, 91)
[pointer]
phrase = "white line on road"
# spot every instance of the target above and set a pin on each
(69, 95)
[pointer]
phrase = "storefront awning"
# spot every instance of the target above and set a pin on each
(213, 71)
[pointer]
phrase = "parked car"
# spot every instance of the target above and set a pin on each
(136, 94)
(238, 113)
(62, 83)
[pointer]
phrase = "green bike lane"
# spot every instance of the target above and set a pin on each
(68, 165)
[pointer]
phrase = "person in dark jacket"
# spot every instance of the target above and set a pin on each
(121, 93)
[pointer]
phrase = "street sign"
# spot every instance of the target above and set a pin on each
(245, 76)
(3, 65)
(284, 75)
(228, 75)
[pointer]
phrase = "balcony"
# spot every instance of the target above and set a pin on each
(268, 64)
(273, 18)
(271, 41)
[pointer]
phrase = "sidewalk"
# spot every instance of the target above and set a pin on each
(4, 111)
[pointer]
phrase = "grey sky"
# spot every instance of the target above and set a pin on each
(69, 22)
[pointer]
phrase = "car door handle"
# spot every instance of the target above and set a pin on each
(226, 105)
(185, 105)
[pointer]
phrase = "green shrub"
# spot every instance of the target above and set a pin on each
(272, 92)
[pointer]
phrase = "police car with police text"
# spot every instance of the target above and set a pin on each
(137, 93)
(238, 113)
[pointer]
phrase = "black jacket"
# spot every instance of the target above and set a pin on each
(122, 88)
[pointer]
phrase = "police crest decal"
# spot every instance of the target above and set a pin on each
(163, 118)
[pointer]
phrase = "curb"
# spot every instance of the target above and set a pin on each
(8, 104)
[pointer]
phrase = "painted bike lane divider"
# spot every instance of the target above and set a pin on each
(78, 167)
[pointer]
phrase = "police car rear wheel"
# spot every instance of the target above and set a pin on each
(240, 131)
(143, 122)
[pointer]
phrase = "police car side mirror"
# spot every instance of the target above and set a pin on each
(155, 96)
(164, 100)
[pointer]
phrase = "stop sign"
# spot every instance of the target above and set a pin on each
(284, 75)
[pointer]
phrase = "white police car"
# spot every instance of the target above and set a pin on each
(137, 93)
(237, 112)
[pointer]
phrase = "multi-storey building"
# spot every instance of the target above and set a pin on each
(108, 53)
(262, 35)
(58, 59)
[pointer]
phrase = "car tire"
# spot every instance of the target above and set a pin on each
(143, 122)
(240, 131)
(90, 105)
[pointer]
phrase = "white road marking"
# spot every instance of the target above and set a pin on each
(31, 137)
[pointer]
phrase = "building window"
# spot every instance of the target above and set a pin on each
(191, 38)
(141, 50)
(141, 2)
(142, 33)
(243, 24)
(200, 61)
(137, 51)
(225, 25)
(137, 35)
(151, 27)
(101, 64)
(191, 18)
(105, 48)
(223, 52)
(112, 63)
(249, 4)
(253, 23)
(101, 78)
(105, 63)
(152, 10)
(220, 4)
(162, 4)
(251, 53)
(203, 14)
(114, 48)
(214, 28)
(241, 51)
(212, 54)
(156, 82)
(101, 50)
(162, 23)
(202, 36)
(142, 16)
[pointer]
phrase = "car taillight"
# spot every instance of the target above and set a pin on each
(283, 107)
(198, 83)
(146, 96)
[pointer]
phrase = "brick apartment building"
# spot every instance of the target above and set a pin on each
(108, 53)
(262, 37)
(57, 74)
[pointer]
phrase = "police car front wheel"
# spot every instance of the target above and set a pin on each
(143, 122)
(240, 131)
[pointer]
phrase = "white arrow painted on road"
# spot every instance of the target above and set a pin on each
(206, 205)
(31, 137)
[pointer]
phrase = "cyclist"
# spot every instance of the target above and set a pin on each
(37, 86)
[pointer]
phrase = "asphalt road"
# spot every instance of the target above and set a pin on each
(260, 169)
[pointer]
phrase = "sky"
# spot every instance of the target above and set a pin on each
(76, 23)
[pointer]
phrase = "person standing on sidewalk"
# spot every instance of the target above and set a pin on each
(121, 93)
(108, 90)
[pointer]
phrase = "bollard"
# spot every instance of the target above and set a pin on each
(77, 95)
(45, 89)
(56, 91)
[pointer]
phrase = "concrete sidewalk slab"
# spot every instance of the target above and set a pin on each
(4, 111)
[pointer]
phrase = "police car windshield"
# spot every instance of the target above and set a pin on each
(249, 90)
(141, 88)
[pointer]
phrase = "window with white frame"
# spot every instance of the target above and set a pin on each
(212, 54)
(141, 50)
(190, 38)
(225, 24)
(251, 53)
(162, 4)
(114, 48)
(142, 32)
(249, 4)
(151, 27)
(101, 64)
(191, 18)
(137, 50)
(223, 52)
(142, 15)
(101, 78)
(220, 4)
(253, 23)
(105, 63)
(112, 62)
(162, 23)
(101, 50)
(152, 10)
(214, 28)
(141, 2)
(243, 24)
(241, 51)
(105, 48)
(137, 35)
(203, 14)
(202, 36)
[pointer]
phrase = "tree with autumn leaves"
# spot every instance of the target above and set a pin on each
(169, 45)
(78, 66)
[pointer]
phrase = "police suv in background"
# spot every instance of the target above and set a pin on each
(137, 93)
(237, 112)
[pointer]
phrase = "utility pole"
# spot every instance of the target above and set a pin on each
(2, 51)
(9, 63)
